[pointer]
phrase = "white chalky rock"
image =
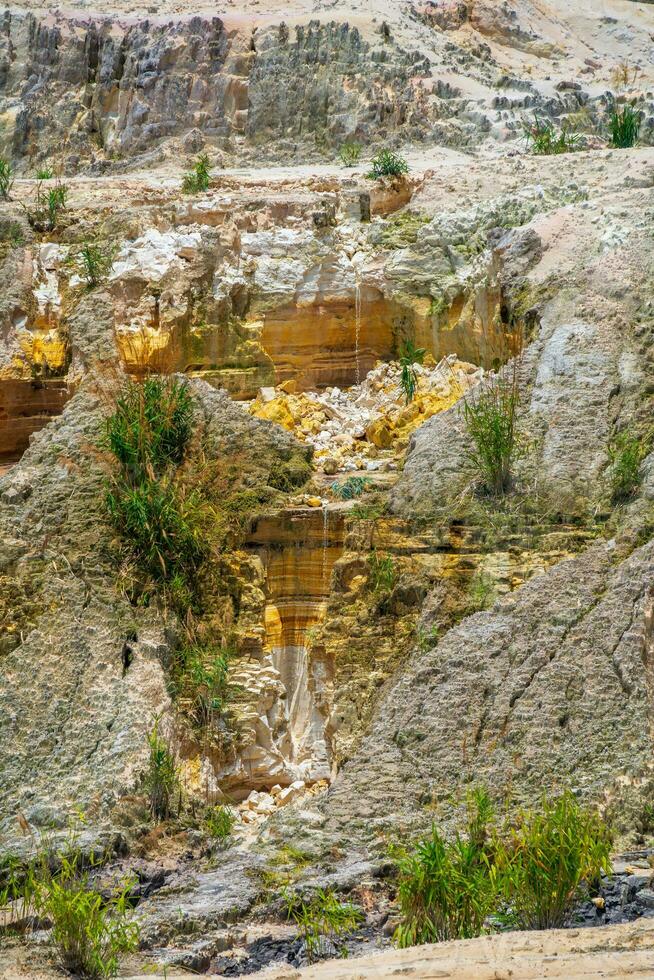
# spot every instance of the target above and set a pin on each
(291, 792)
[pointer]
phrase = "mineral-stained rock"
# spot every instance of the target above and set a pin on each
(83, 669)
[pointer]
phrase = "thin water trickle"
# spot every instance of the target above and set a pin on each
(357, 326)
(325, 539)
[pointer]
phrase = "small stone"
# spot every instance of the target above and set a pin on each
(313, 501)
(330, 466)
(267, 394)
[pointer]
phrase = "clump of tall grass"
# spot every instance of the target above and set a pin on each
(382, 572)
(387, 164)
(88, 932)
(201, 675)
(626, 454)
(49, 204)
(410, 355)
(546, 141)
(164, 523)
(350, 153)
(447, 888)
(219, 822)
(547, 860)
(490, 418)
(6, 178)
(162, 775)
(323, 922)
(529, 873)
(93, 263)
(624, 125)
(199, 178)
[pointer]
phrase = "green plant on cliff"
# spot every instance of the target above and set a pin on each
(382, 572)
(545, 141)
(626, 454)
(350, 153)
(162, 777)
(410, 355)
(546, 860)
(6, 178)
(387, 164)
(49, 204)
(200, 675)
(199, 178)
(89, 931)
(448, 888)
(93, 262)
(624, 125)
(490, 419)
(164, 523)
(323, 922)
(219, 822)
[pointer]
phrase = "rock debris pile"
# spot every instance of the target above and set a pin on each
(364, 427)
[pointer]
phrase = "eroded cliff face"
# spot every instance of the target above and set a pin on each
(395, 634)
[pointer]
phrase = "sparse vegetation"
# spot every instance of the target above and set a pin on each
(352, 487)
(45, 214)
(410, 355)
(199, 178)
(89, 933)
(529, 874)
(482, 591)
(382, 572)
(6, 178)
(546, 141)
(490, 414)
(161, 778)
(323, 922)
(219, 821)
(93, 262)
(387, 164)
(447, 888)
(626, 454)
(350, 153)
(548, 859)
(45, 173)
(163, 522)
(200, 675)
(625, 127)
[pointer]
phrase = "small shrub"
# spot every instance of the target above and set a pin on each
(49, 204)
(489, 415)
(482, 592)
(427, 637)
(219, 821)
(45, 173)
(89, 933)
(201, 675)
(199, 178)
(94, 263)
(150, 427)
(6, 178)
(447, 889)
(161, 778)
(11, 233)
(352, 487)
(17, 890)
(626, 453)
(548, 860)
(383, 574)
(545, 141)
(387, 164)
(323, 921)
(410, 355)
(625, 127)
(350, 154)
